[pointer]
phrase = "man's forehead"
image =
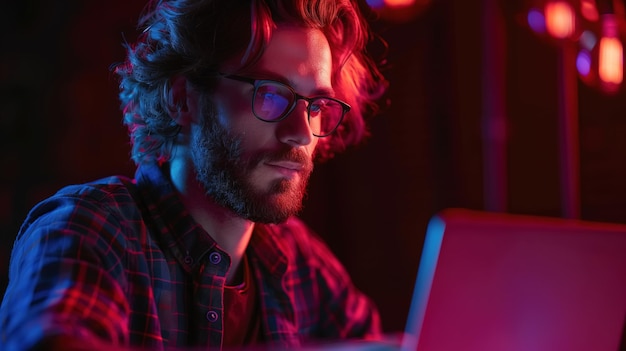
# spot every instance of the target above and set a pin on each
(301, 56)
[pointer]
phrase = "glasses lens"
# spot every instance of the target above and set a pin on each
(271, 101)
(324, 115)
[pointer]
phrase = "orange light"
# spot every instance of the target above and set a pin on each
(611, 52)
(399, 3)
(399, 10)
(560, 19)
(611, 69)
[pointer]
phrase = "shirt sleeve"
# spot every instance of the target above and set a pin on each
(65, 277)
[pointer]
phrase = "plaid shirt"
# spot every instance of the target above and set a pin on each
(122, 261)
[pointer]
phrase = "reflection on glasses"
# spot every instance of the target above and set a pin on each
(272, 101)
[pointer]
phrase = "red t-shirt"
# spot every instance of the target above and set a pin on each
(242, 323)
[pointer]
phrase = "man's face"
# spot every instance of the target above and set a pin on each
(260, 170)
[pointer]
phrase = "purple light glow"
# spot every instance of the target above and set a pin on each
(376, 4)
(536, 21)
(583, 62)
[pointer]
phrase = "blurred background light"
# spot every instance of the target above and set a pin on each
(597, 29)
(536, 20)
(583, 63)
(588, 40)
(399, 3)
(398, 10)
(376, 4)
(610, 65)
(560, 19)
(610, 60)
(589, 10)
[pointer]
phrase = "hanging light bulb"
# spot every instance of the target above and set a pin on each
(560, 19)
(611, 57)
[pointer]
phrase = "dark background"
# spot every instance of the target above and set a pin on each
(60, 123)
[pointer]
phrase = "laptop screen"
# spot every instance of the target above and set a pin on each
(490, 281)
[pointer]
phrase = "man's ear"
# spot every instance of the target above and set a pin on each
(182, 100)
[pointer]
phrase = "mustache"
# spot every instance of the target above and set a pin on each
(291, 155)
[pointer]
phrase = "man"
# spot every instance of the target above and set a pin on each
(228, 104)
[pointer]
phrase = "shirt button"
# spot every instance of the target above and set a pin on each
(212, 316)
(215, 257)
(188, 259)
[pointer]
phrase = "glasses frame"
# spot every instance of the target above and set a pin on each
(256, 83)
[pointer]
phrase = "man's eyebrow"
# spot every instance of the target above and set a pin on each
(262, 74)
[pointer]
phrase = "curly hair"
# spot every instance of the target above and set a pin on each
(194, 37)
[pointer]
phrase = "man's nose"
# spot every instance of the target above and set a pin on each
(295, 129)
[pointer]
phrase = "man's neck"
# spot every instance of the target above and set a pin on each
(230, 232)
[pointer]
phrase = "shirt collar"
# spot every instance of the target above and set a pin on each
(176, 228)
(187, 240)
(269, 250)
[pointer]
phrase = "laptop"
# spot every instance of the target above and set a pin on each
(494, 281)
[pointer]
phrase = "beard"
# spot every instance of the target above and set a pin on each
(226, 174)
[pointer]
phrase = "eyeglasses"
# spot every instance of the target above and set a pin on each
(272, 101)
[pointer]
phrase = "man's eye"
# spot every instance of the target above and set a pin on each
(317, 107)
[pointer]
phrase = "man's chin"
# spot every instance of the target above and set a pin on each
(276, 207)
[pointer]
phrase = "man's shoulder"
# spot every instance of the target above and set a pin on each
(81, 218)
(113, 188)
(113, 197)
